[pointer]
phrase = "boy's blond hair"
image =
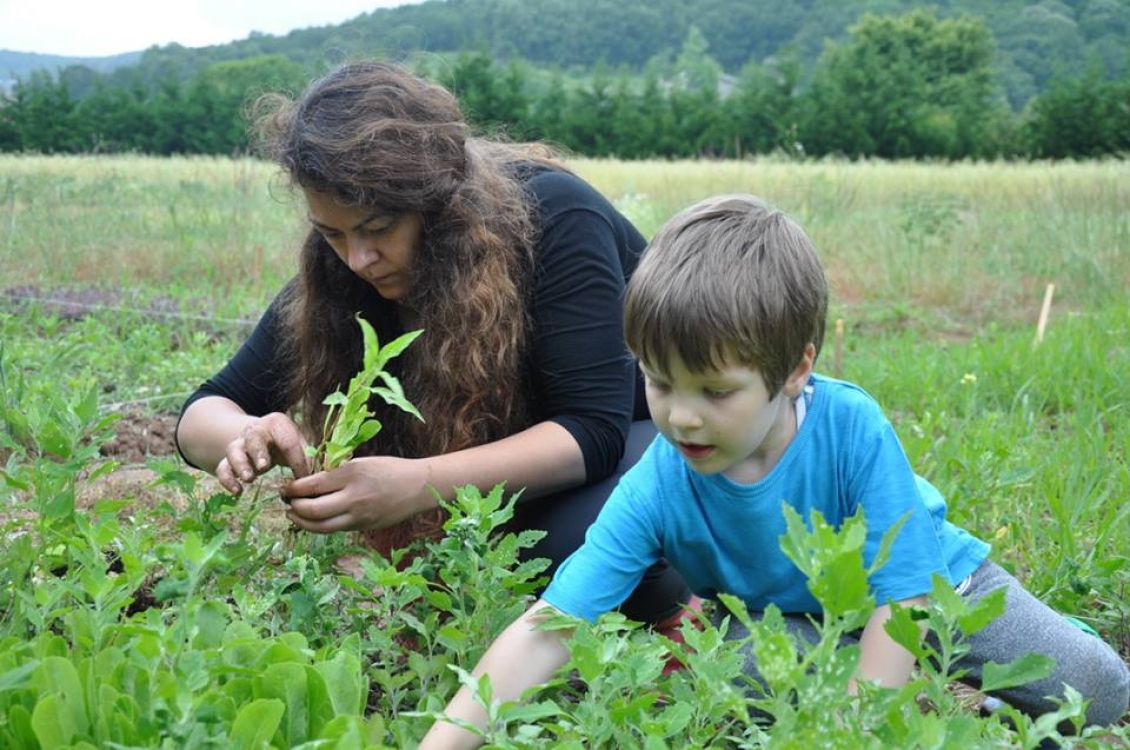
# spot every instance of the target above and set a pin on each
(729, 280)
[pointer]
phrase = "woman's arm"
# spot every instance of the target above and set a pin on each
(233, 425)
(521, 657)
(378, 491)
(582, 374)
(215, 434)
(881, 658)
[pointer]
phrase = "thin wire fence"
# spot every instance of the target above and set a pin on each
(17, 300)
(73, 308)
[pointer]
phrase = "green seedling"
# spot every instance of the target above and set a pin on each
(349, 421)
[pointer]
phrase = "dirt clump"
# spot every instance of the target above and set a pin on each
(139, 436)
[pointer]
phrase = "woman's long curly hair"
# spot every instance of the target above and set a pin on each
(374, 136)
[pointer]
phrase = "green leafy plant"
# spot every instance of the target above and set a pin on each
(349, 422)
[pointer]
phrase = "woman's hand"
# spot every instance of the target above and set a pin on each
(263, 443)
(363, 493)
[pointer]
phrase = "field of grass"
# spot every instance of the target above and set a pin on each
(167, 615)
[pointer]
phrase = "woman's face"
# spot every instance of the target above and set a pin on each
(377, 246)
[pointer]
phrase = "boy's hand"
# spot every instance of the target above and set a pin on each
(881, 658)
(521, 657)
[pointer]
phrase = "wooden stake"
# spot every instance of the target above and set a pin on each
(256, 267)
(838, 350)
(1045, 309)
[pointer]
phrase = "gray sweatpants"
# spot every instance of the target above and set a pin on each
(1028, 625)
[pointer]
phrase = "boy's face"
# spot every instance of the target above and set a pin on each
(724, 420)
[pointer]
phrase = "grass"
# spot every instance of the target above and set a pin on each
(937, 272)
(977, 241)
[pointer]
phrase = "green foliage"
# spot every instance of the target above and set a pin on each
(204, 115)
(884, 79)
(349, 422)
(1080, 117)
(211, 638)
(185, 621)
(612, 692)
(904, 86)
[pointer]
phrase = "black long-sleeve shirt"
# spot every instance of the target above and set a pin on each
(582, 376)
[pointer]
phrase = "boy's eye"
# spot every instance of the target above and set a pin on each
(715, 393)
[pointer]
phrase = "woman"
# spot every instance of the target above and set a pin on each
(514, 269)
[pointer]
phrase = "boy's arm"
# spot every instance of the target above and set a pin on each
(521, 657)
(880, 657)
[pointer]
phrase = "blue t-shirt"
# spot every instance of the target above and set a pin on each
(723, 537)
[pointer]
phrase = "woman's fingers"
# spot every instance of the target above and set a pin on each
(254, 446)
(364, 493)
(262, 444)
(317, 508)
(323, 514)
(284, 441)
(314, 485)
(227, 477)
(332, 523)
(240, 462)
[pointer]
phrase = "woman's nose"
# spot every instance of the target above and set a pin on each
(362, 253)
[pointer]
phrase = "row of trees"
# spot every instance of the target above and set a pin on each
(910, 86)
(1034, 39)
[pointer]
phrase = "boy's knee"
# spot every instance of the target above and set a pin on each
(1108, 690)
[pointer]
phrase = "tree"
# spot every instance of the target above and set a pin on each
(904, 86)
(1080, 117)
(547, 112)
(765, 106)
(695, 101)
(215, 106)
(586, 121)
(42, 115)
(113, 119)
(489, 100)
(1041, 41)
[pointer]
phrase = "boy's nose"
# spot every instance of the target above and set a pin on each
(683, 416)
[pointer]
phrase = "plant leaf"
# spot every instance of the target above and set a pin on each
(256, 724)
(1027, 668)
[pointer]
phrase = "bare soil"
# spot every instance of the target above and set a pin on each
(139, 436)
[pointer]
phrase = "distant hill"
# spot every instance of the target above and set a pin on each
(1034, 40)
(20, 64)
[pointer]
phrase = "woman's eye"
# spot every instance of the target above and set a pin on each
(376, 229)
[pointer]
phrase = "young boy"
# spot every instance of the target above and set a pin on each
(726, 314)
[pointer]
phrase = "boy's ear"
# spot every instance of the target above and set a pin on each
(798, 378)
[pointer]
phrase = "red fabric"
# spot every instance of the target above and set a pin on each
(672, 628)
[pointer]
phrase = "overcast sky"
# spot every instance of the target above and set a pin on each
(96, 28)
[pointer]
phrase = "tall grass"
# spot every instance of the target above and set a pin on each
(976, 241)
(197, 226)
